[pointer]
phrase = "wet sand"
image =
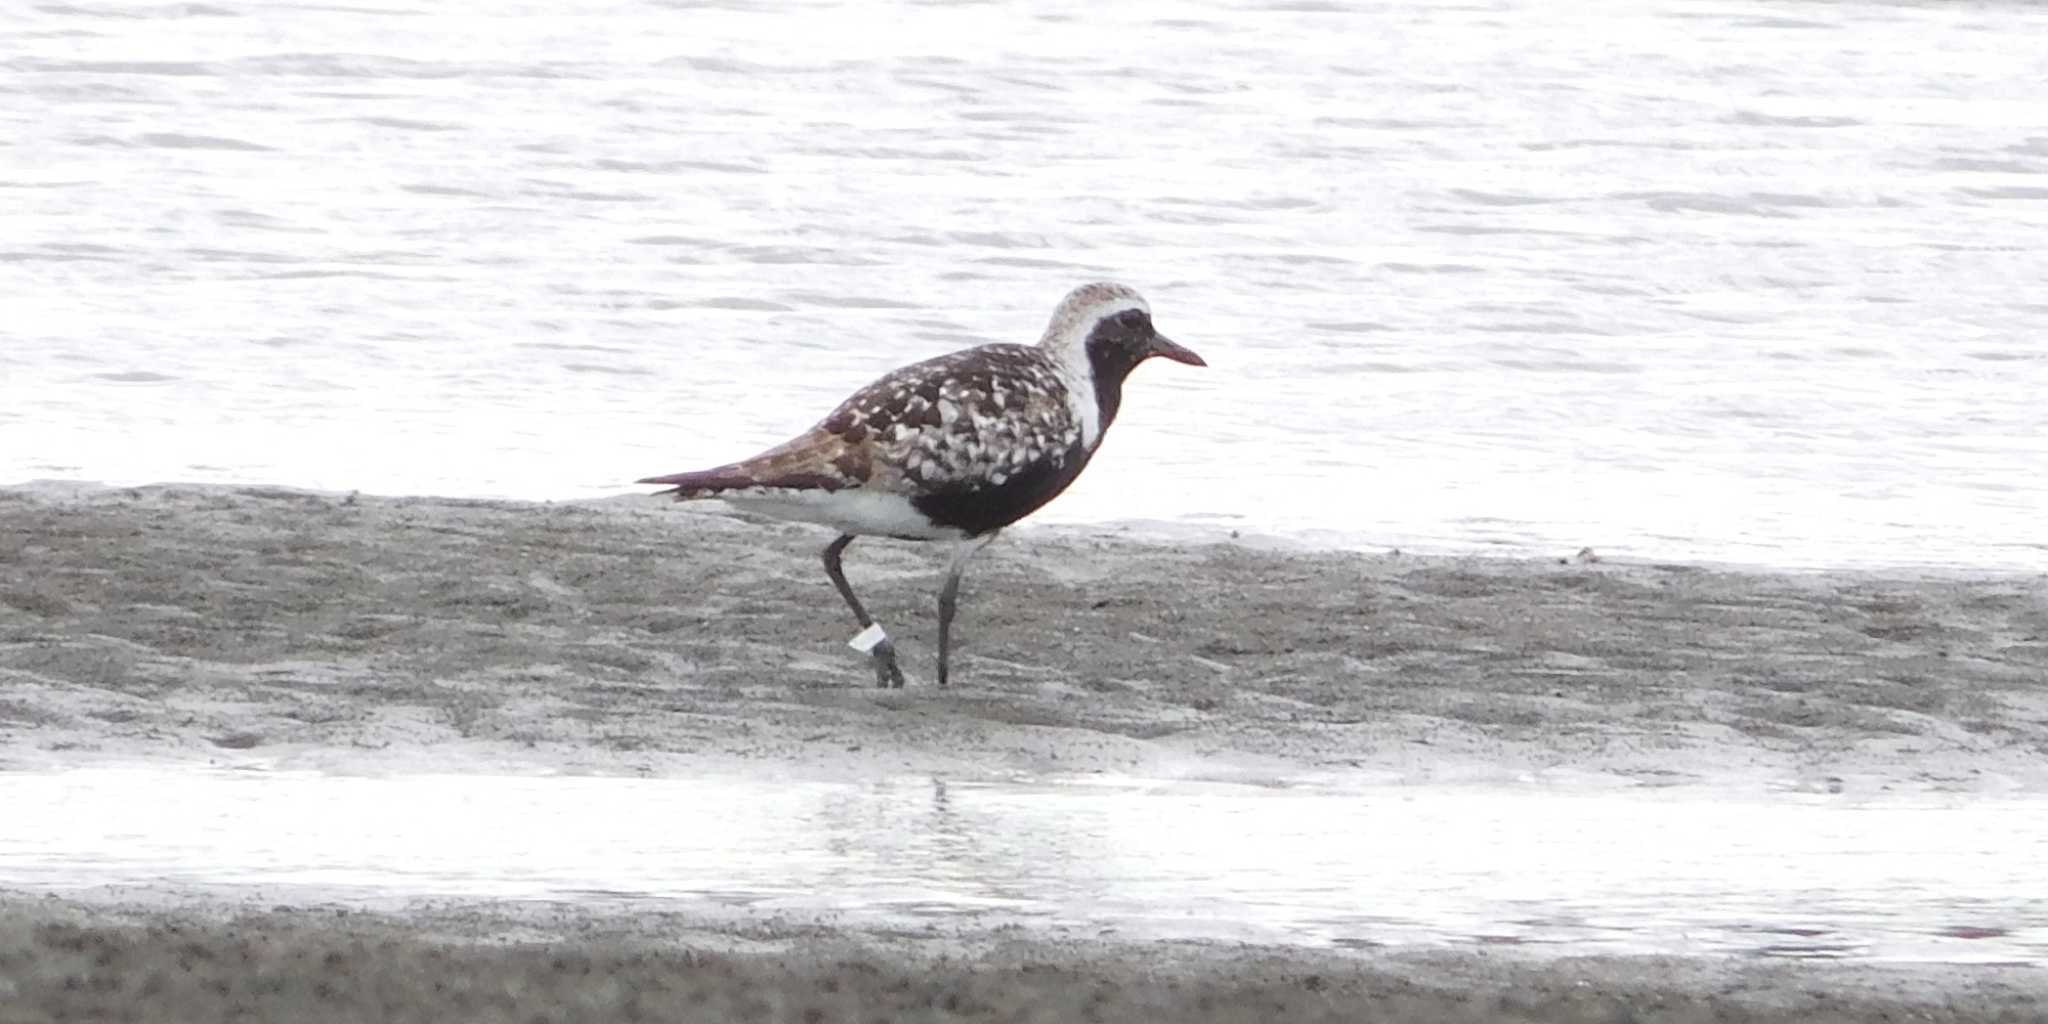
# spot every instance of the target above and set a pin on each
(370, 634)
(277, 629)
(63, 961)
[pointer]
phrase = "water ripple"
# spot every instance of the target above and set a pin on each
(1584, 230)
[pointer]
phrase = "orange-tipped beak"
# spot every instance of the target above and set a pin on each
(1164, 346)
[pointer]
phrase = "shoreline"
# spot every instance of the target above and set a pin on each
(1138, 531)
(274, 628)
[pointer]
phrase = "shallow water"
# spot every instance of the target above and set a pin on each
(1565, 872)
(1751, 282)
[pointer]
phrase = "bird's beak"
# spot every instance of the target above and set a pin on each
(1164, 346)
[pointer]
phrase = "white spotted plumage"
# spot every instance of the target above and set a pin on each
(968, 421)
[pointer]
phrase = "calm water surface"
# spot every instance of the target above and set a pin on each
(1742, 281)
(1668, 871)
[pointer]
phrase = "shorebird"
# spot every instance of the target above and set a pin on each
(953, 448)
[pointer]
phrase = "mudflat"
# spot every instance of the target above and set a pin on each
(631, 634)
(278, 629)
(61, 961)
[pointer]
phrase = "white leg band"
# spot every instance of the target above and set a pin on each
(866, 640)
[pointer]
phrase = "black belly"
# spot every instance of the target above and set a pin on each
(979, 508)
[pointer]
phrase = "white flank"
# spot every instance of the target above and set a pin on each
(869, 513)
(1080, 384)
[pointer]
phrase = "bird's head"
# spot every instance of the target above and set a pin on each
(1108, 327)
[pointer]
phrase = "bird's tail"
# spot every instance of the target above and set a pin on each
(814, 461)
(705, 483)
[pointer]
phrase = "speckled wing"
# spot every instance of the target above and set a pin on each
(970, 421)
(973, 421)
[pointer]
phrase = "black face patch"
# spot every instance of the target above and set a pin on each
(1115, 347)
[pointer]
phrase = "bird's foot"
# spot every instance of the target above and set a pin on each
(875, 643)
(887, 675)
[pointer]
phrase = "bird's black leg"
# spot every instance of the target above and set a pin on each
(887, 675)
(949, 597)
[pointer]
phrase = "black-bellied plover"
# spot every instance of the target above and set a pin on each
(956, 447)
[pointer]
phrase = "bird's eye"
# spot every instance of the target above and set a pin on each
(1131, 318)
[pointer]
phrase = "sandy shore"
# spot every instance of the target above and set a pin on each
(278, 629)
(295, 630)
